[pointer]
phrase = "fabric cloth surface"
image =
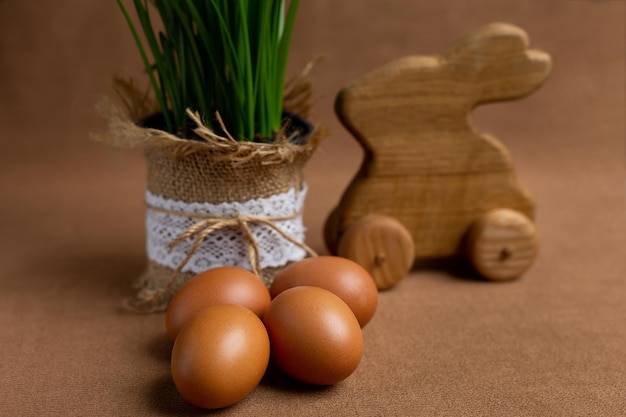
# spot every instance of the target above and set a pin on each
(442, 343)
(227, 245)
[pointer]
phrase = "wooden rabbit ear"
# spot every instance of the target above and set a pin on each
(496, 61)
(491, 40)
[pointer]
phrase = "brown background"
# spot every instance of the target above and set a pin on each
(71, 225)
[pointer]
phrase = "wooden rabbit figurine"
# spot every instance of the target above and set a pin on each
(430, 184)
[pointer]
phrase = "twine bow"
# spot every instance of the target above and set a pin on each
(209, 223)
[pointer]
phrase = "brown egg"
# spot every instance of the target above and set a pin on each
(220, 356)
(343, 277)
(223, 285)
(315, 338)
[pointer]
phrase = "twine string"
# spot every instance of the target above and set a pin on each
(206, 225)
(210, 223)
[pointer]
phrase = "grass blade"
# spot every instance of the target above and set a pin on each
(228, 56)
(146, 62)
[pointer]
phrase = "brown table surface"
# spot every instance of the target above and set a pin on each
(72, 232)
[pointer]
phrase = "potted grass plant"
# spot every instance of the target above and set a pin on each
(225, 138)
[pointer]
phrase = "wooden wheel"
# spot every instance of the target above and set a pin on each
(381, 245)
(502, 244)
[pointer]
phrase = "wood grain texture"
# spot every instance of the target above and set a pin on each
(502, 244)
(425, 164)
(382, 245)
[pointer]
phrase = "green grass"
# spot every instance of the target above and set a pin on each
(226, 56)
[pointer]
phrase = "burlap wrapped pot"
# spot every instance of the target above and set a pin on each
(213, 202)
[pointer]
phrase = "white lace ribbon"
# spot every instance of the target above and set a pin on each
(226, 246)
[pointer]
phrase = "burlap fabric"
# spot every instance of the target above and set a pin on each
(211, 169)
